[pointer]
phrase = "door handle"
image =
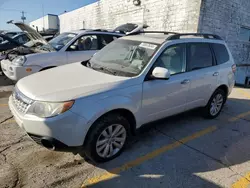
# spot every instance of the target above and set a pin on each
(185, 81)
(216, 74)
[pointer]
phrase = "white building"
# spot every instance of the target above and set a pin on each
(48, 23)
(229, 19)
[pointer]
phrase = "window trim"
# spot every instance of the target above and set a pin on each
(149, 73)
(214, 63)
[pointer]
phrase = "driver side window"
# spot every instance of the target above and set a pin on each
(173, 59)
(84, 43)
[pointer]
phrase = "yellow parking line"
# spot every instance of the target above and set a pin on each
(239, 116)
(3, 105)
(244, 93)
(113, 173)
(242, 182)
(116, 171)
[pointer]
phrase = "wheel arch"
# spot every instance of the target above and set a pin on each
(122, 111)
(223, 87)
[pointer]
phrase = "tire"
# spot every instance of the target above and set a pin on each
(218, 99)
(96, 135)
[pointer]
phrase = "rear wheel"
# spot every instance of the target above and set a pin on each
(215, 104)
(107, 139)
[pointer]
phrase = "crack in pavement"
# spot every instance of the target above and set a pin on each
(6, 119)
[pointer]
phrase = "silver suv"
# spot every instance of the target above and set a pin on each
(134, 80)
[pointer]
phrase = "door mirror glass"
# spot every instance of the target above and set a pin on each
(161, 73)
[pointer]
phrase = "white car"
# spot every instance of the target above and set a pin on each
(69, 47)
(134, 80)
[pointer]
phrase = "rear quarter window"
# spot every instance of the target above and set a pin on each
(221, 53)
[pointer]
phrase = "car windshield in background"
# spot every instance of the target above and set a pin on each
(61, 40)
(124, 57)
(126, 27)
(10, 34)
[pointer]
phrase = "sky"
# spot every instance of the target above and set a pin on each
(11, 9)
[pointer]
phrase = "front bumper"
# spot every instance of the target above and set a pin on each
(68, 128)
(15, 73)
(53, 144)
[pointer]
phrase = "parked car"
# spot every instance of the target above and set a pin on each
(16, 41)
(11, 34)
(27, 42)
(134, 80)
(66, 48)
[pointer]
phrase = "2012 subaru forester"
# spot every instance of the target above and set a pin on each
(94, 106)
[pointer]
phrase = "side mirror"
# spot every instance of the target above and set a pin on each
(73, 48)
(161, 73)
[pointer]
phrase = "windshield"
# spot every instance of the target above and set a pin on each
(126, 27)
(61, 40)
(10, 34)
(124, 57)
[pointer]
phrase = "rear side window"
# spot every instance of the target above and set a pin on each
(199, 56)
(221, 53)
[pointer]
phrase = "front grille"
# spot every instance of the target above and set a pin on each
(20, 101)
(36, 138)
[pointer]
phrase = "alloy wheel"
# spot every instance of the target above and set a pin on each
(216, 104)
(111, 141)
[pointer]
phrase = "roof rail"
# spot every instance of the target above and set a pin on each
(204, 35)
(163, 32)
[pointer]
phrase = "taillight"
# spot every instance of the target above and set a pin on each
(234, 68)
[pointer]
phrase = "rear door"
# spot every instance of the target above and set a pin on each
(204, 74)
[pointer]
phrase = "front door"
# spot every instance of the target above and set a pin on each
(82, 49)
(162, 98)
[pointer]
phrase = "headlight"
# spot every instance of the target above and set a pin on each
(19, 61)
(47, 109)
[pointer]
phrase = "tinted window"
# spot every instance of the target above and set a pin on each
(221, 53)
(173, 58)
(199, 56)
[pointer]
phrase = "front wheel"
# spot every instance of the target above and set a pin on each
(215, 104)
(107, 138)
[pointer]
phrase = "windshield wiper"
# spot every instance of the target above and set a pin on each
(104, 69)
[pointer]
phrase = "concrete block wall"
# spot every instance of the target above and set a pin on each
(225, 18)
(169, 15)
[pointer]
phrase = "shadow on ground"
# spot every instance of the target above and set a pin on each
(193, 164)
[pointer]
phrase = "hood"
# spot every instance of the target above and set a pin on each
(69, 82)
(31, 33)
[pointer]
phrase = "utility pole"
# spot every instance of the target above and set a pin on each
(23, 17)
